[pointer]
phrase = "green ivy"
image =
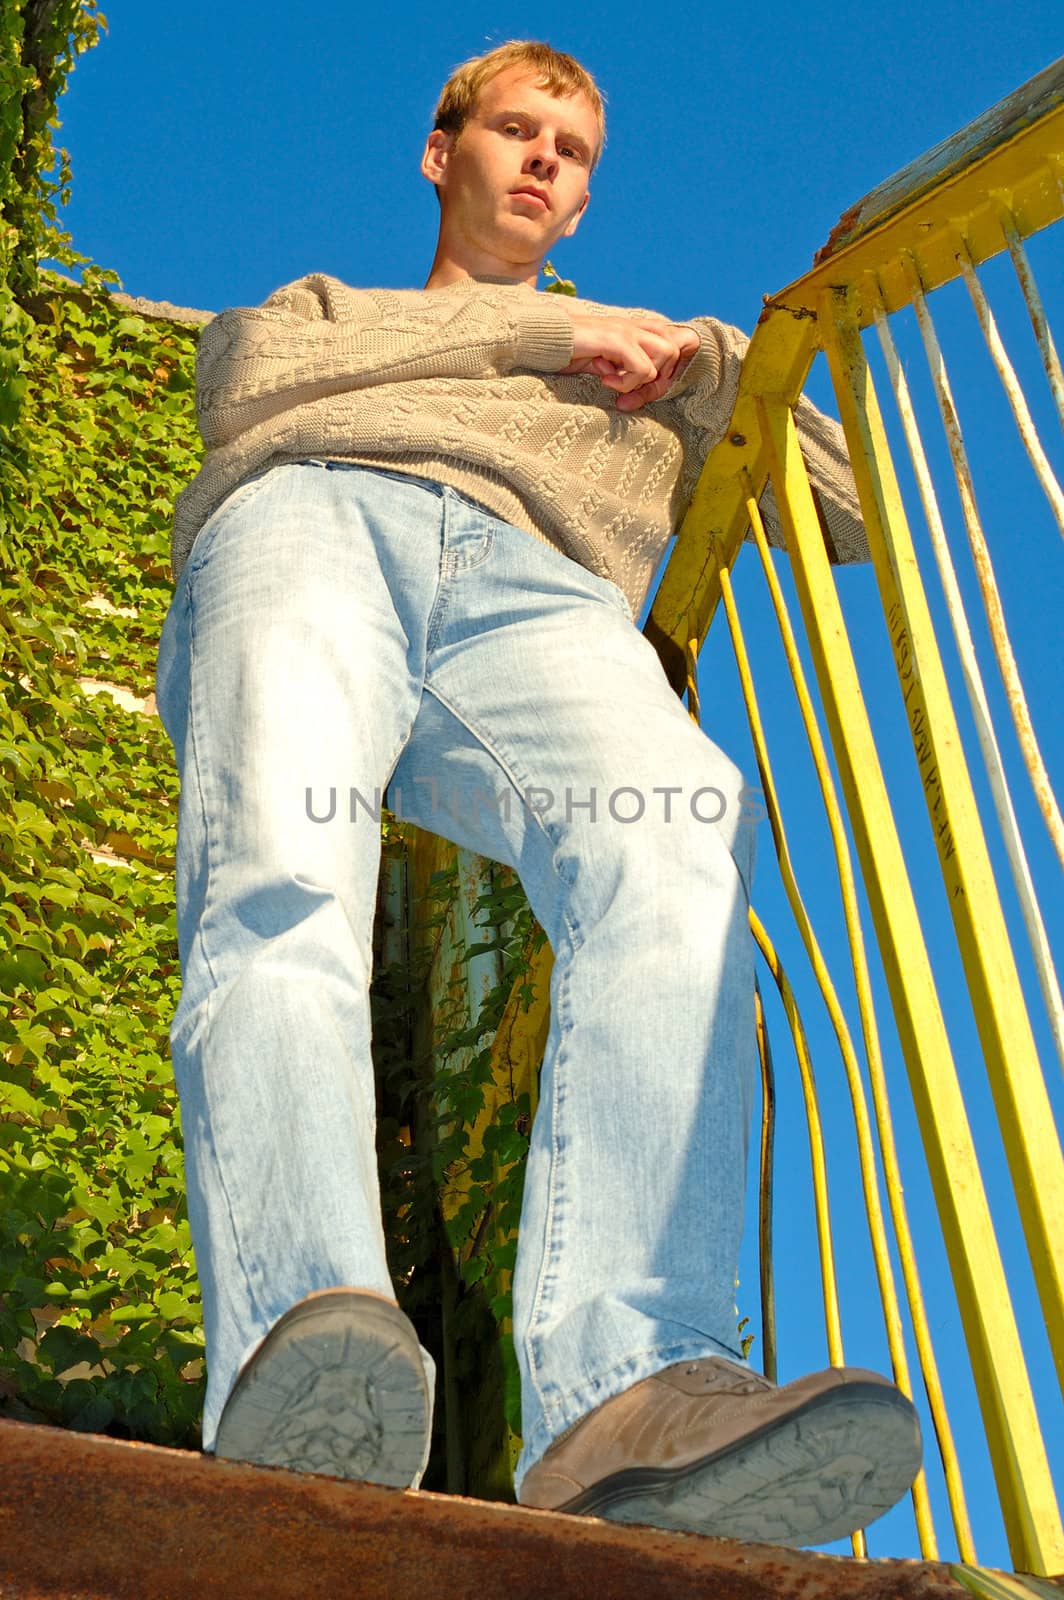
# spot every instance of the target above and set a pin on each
(40, 41)
(96, 1271)
(556, 284)
(99, 1316)
(431, 1098)
(483, 1230)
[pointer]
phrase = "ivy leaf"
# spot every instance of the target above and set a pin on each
(556, 284)
(96, 1206)
(13, 1097)
(474, 1269)
(94, 1416)
(65, 1347)
(131, 1316)
(481, 949)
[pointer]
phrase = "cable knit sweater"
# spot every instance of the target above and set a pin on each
(463, 385)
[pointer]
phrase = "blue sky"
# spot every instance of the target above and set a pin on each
(220, 151)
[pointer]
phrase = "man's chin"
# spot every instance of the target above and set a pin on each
(528, 238)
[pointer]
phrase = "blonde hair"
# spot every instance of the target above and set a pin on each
(560, 74)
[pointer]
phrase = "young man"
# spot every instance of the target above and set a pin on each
(412, 558)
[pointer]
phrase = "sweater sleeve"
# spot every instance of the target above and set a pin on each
(704, 397)
(317, 337)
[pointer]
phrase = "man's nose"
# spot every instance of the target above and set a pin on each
(543, 162)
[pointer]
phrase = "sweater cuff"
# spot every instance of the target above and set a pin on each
(544, 335)
(703, 369)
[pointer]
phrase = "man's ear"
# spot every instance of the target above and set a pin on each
(434, 161)
(571, 229)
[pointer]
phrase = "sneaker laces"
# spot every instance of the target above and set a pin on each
(727, 1377)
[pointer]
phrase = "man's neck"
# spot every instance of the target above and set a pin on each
(453, 266)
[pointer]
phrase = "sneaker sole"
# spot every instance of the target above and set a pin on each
(336, 1387)
(831, 1468)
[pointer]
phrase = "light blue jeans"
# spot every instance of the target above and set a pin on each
(341, 629)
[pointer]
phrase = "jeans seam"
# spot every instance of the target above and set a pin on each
(208, 1003)
(487, 544)
(573, 942)
(191, 613)
(493, 751)
(550, 1250)
(442, 598)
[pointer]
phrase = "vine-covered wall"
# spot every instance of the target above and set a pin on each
(98, 1298)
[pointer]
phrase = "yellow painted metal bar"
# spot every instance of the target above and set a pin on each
(1003, 1585)
(765, 1191)
(693, 704)
(777, 362)
(1035, 309)
(1014, 1070)
(1017, 1451)
(880, 1098)
(828, 1277)
(972, 146)
(984, 571)
(1021, 411)
(817, 1157)
(977, 699)
(1023, 174)
(865, 1147)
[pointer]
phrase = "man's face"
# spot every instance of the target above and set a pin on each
(515, 180)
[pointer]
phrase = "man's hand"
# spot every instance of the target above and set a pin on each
(638, 357)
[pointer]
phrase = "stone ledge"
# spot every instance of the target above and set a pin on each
(161, 310)
(84, 1517)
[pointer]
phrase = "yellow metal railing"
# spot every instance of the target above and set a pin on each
(978, 196)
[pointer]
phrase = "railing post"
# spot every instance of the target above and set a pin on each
(1023, 1109)
(1036, 1539)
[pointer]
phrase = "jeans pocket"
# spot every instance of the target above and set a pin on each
(609, 591)
(222, 514)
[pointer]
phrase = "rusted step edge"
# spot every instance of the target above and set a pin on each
(92, 1518)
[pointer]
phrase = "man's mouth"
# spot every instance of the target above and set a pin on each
(528, 193)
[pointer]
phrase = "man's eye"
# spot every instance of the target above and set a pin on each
(511, 127)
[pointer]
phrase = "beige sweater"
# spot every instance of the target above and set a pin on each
(462, 385)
